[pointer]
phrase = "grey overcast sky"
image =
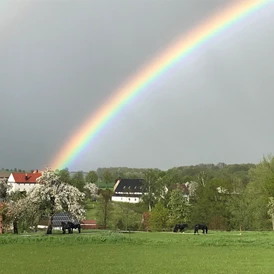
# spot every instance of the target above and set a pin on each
(60, 60)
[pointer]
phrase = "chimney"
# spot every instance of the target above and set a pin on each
(26, 176)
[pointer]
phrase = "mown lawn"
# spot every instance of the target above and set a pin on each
(140, 252)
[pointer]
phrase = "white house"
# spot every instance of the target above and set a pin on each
(128, 190)
(23, 181)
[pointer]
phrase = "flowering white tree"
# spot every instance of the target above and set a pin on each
(91, 191)
(22, 211)
(52, 195)
(4, 187)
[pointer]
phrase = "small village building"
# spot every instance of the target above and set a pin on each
(128, 190)
(23, 181)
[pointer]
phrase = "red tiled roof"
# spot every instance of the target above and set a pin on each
(26, 178)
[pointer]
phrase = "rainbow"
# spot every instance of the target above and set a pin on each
(151, 72)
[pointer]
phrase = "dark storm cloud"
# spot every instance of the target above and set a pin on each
(61, 60)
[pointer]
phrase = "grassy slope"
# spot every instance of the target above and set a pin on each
(138, 253)
(91, 210)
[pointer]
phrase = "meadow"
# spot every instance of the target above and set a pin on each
(138, 252)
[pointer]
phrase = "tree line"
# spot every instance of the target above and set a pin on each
(225, 197)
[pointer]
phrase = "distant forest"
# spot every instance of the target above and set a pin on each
(220, 170)
(185, 173)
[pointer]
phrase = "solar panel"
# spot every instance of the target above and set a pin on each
(63, 217)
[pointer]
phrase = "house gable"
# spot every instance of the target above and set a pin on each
(11, 179)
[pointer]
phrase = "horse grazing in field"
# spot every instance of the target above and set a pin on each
(70, 226)
(180, 227)
(200, 226)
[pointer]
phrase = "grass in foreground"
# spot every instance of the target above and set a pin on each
(103, 252)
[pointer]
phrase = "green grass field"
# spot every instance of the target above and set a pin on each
(91, 210)
(139, 252)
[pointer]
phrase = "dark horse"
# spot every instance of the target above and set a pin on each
(180, 227)
(70, 226)
(200, 226)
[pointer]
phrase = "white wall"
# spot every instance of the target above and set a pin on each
(132, 193)
(133, 200)
(21, 187)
